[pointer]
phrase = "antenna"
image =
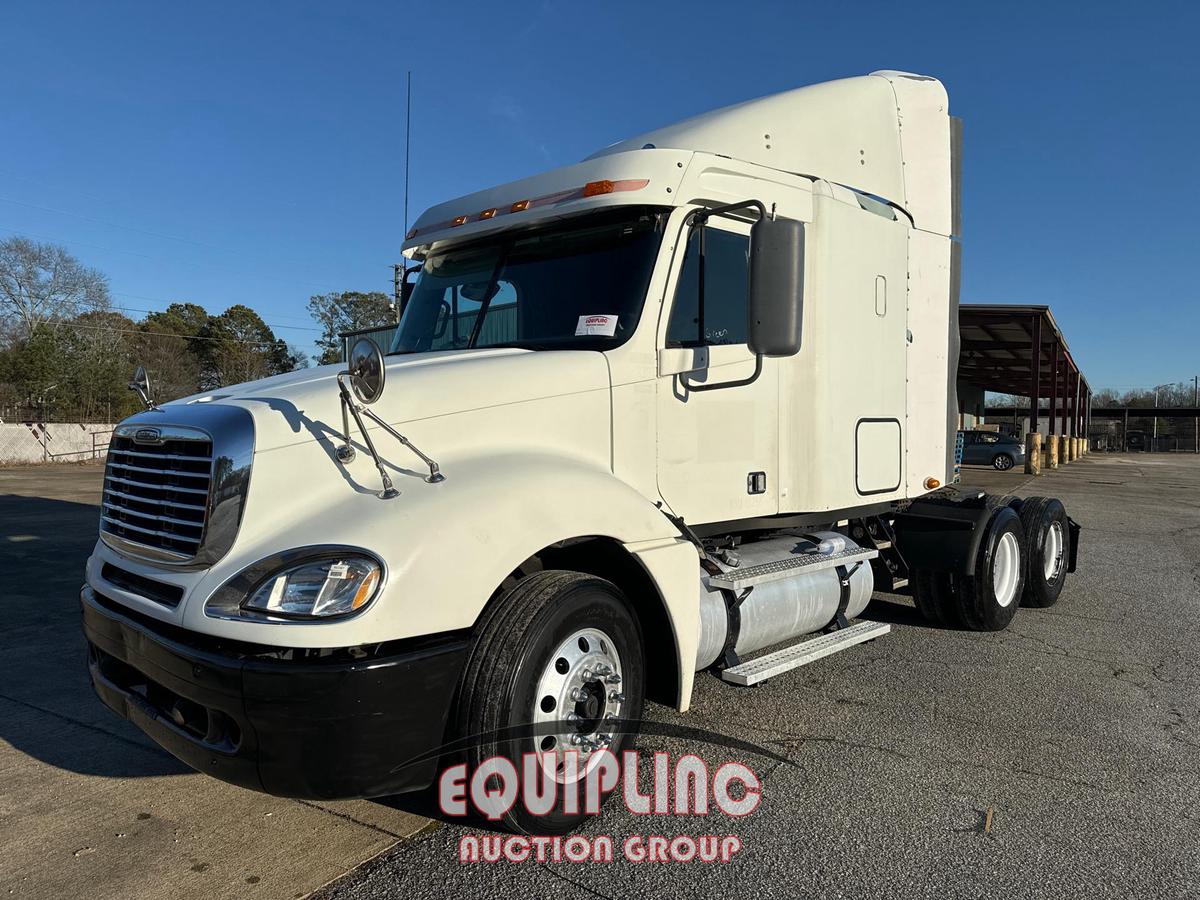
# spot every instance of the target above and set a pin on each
(407, 145)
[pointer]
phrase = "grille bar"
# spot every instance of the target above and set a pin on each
(109, 492)
(170, 535)
(177, 456)
(158, 487)
(121, 465)
(190, 523)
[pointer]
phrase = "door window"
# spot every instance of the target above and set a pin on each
(726, 287)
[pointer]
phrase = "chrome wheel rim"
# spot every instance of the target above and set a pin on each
(1006, 569)
(579, 698)
(1003, 462)
(1053, 551)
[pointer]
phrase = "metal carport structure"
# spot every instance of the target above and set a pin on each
(1020, 350)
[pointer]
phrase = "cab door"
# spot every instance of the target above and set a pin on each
(718, 449)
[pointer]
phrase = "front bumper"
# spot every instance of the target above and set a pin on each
(313, 724)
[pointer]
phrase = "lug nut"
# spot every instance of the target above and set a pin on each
(616, 697)
(613, 678)
(572, 718)
(585, 674)
(578, 695)
(577, 739)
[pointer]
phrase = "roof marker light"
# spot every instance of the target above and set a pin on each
(520, 206)
(458, 220)
(595, 188)
(487, 213)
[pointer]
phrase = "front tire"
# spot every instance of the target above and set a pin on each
(988, 598)
(559, 643)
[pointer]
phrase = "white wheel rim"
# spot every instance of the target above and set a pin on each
(1053, 551)
(580, 692)
(1006, 569)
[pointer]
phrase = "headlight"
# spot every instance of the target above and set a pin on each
(328, 587)
(319, 582)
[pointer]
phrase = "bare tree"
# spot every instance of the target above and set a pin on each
(43, 284)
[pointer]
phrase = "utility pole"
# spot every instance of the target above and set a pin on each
(1195, 407)
(397, 281)
(1154, 434)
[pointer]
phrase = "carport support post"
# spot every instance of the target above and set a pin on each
(1033, 441)
(1052, 462)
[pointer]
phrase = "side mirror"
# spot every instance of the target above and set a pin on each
(141, 383)
(367, 372)
(776, 306)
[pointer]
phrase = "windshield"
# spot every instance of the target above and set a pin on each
(577, 284)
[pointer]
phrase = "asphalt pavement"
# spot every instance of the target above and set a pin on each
(1059, 758)
(88, 805)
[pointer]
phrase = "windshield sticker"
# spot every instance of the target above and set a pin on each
(601, 325)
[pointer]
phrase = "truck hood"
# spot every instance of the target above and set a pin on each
(288, 409)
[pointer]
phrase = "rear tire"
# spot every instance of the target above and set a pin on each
(988, 599)
(1048, 549)
(519, 646)
(935, 600)
(1002, 461)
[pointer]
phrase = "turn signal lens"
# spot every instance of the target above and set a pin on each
(595, 188)
(487, 213)
(932, 484)
(412, 233)
(519, 206)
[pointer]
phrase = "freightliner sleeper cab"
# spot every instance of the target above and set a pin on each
(645, 416)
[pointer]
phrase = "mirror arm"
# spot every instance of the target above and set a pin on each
(435, 473)
(742, 382)
(701, 216)
(389, 490)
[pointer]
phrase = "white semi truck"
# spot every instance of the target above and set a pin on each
(645, 416)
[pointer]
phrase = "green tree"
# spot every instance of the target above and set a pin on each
(168, 345)
(238, 346)
(338, 313)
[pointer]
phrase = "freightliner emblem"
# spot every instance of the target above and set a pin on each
(147, 435)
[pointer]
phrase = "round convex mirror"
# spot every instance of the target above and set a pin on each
(366, 370)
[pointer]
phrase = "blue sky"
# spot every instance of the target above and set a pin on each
(253, 153)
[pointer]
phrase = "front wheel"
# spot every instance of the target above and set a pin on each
(557, 666)
(1003, 462)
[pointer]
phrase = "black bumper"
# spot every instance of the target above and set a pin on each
(323, 726)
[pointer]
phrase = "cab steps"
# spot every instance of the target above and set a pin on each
(768, 666)
(788, 567)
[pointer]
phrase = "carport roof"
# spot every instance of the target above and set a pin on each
(997, 345)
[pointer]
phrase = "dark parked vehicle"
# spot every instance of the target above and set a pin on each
(990, 448)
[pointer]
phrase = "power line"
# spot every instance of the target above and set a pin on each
(183, 337)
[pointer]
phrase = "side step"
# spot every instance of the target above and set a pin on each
(776, 570)
(797, 655)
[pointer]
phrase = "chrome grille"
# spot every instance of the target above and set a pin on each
(156, 489)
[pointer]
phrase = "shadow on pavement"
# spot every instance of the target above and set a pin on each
(47, 708)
